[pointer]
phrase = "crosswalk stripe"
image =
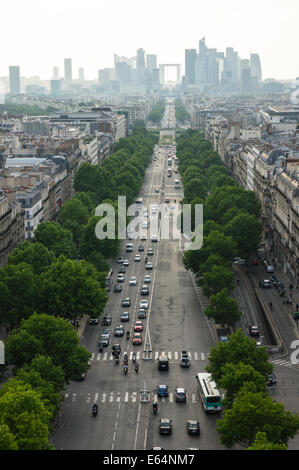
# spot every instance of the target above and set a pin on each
(193, 398)
(117, 397)
(103, 398)
(88, 398)
(196, 356)
(111, 397)
(189, 355)
(163, 399)
(74, 396)
(105, 356)
(202, 356)
(66, 395)
(176, 355)
(171, 355)
(126, 397)
(156, 354)
(98, 356)
(111, 357)
(134, 396)
(171, 397)
(155, 397)
(96, 396)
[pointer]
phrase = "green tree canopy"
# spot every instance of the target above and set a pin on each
(35, 254)
(56, 238)
(223, 309)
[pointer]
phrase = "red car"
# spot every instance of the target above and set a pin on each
(138, 326)
(137, 339)
(254, 262)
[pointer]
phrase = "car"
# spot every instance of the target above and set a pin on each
(116, 349)
(143, 238)
(120, 260)
(148, 266)
(150, 252)
(141, 248)
(167, 201)
(117, 288)
(180, 395)
(154, 238)
(271, 380)
(156, 190)
(104, 341)
(126, 302)
(122, 270)
(105, 332)
(129, 247)
(93, 321)
(147, 279)
(145, 225)
(138, 326)
(144, 290)
(165, 426)
(120, 278)
(143, 304)
(162, 391)
(240, 261)
(119, 331)
(266, 284)
(254, 262)
(124, 317)
(126, 262)
(80, 377)
(185, 359)
(270, 269)
(141, 313)
(254, 331)
(106, 320)
(163, 363)
(172, 206)
(137, 258)
(133, 281)
(137, 338)
(193, 427)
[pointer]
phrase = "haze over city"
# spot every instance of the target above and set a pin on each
(91, 32)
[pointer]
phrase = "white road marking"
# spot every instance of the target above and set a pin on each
(103, 398)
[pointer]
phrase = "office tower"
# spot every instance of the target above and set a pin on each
(256, 67)
(151, 62)
(55, 73)
(140, 62)
(67, 73)
(81, 74)
(190, 60)
(123, 72)
(106, 75)
(14, 79)
(55, 87)
(245, 76)
(156, 79)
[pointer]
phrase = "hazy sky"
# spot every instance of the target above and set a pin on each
(38, 34)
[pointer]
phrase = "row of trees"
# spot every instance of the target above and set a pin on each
(251, 418)
(157, 112)
(231, 225)
(46, 353)
(57, 277)
(181, 114)
(26, 109)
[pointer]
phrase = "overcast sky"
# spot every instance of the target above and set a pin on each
(38, 34)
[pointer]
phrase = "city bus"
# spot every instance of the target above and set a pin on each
(210, 396)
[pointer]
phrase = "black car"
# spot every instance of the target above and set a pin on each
(165, 426)
(150, 252)
(192, 427)
(144, 290)
(141, 248)
(141, 313)
(117, 288)
(124, 317)
(271, 380)
(122, 270)
(116, 349)
(254, 331)
(93, 321)
(119, 331)
(106, 320)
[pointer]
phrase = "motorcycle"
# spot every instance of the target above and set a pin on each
(116, 359)
(155, 408)
(134, 357)
(136, 368)
(125, 369)
(128, 335)
(94, 410)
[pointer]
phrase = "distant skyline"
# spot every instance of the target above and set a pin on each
(40, 35)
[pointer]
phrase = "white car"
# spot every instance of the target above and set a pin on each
(137, 258)
(154, 238)
(133, 281)
(147, 279)
(143, 304)
(145, 225)
(126, 262)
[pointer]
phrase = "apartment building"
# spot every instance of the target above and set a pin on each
(12, 227)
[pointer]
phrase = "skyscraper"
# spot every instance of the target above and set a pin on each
(256, 67)
(55, 73)
(245, 76)
(190, 59)
(67, 72)
(151, 62)
(14, 79)
(81, 74)
(140, 62)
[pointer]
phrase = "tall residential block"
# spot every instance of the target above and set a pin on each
(67, 72)
(14, 79)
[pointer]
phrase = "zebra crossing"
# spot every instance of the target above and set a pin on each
(172, 356)
(281, 362)
(123, 397)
